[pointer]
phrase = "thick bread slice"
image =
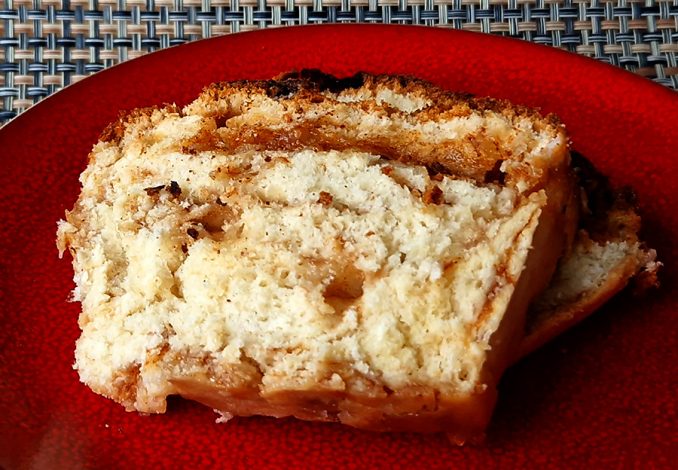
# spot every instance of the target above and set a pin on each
(359, 250)
(606, 255)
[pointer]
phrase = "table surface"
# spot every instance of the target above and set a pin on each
(48, 44)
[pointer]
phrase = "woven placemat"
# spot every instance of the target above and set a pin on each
(47, 44)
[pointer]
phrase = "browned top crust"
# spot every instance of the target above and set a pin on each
(320, 111)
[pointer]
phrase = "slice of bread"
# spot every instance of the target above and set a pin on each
(360, 250)
(606, 255)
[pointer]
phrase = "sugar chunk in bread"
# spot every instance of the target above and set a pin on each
(359, 250)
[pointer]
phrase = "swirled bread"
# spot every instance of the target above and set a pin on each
(360, 250)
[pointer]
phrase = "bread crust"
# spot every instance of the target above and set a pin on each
(474, 156)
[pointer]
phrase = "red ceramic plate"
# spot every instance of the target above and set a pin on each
(604, 393)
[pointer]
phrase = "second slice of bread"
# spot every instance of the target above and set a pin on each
(606, 255)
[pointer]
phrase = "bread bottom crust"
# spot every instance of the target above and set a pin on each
(414, 409)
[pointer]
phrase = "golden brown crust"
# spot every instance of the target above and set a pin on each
(376, 408)
(475, 156)
(115, 131)
(443, 100)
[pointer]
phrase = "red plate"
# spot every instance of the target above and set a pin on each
(603, 393)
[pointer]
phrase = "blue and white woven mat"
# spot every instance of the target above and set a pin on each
(47, 44)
